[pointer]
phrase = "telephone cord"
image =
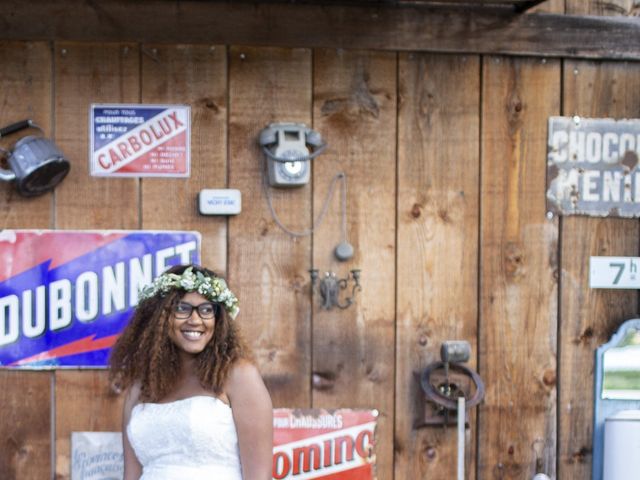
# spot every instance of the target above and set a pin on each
(325, 206)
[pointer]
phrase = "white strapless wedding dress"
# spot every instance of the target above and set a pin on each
(190, 439)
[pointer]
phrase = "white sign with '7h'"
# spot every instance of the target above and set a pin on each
(614, 272)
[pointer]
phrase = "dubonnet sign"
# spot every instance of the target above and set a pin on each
(592, 167)
(66, 295)
(324, 444)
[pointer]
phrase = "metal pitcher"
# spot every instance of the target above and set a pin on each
(35, 163)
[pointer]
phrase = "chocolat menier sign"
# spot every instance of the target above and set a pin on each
(592, 167)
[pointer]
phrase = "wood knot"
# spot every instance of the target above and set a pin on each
(510, 450)
(444, 215)
(549, 378)
(323, 380)
(431, 453)
(581, 456)
(514, 260)
(416, 210)
(585, 336)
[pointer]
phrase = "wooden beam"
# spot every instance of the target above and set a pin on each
(399, 28)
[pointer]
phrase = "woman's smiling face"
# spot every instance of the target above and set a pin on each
(190, 332)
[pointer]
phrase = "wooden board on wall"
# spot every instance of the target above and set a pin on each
(411, 26)
(25, 94)
(590, 317)
(196, 76)
(355, 109)
(267, 267)
(438, 217)
(598, 7)
(518, 271)
(25, 426)
(85, 74)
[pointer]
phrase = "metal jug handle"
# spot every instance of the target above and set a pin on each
(8, 175)
(16, 127)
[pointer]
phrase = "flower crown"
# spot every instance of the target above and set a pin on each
(212, 288)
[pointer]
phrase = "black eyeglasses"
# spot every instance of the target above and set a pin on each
(206, 311)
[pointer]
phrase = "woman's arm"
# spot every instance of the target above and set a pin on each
(253, 417)
(132, 467)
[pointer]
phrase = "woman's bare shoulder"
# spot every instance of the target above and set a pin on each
(243, 376)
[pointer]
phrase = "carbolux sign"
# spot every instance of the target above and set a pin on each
(592, 167)
(139, 140)
(65, 296)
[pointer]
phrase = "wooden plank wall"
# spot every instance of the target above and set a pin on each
(444, 157)
(25, 431)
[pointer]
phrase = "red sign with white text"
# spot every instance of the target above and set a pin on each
(139, 140)
(324, 444)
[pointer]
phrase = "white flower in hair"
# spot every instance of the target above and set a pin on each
(212, 288)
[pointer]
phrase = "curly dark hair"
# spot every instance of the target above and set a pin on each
(144, 352)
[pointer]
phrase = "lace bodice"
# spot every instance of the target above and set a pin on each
(193, 439)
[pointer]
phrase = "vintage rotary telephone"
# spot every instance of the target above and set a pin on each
(287, 148)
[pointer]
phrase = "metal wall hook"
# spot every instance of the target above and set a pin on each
(330, 286)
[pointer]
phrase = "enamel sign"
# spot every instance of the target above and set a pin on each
(96, 456)
(323, 444)
(139, 140)
(65, 296)
(592, 167)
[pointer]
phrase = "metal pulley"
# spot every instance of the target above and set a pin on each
(453, 354)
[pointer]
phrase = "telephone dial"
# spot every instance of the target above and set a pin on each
(288, 148)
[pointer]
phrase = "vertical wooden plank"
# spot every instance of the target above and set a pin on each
(193, 75)
(26, 93)
(267, 267)
(590, 317)
(85, 74)
(548, 6)
(518, 271)
(84, 403)
(355, 111)
(598, 7)
(438, 216)
(25, 426)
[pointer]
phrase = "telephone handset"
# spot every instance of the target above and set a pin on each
(287, 148)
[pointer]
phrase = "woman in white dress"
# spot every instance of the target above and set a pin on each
(196, 407)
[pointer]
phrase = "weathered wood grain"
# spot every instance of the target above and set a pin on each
(518, 271)
(86, 74)
(437, 260)
(267, 267)
(434, 28)
(84, 402)
(196, 76)
(590, 317)
(595, 7)
(26, 93)
(354, 109)
(25, 425)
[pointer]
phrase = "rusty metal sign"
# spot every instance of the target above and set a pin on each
(592, 167)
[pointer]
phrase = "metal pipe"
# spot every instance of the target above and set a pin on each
(461, 439)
